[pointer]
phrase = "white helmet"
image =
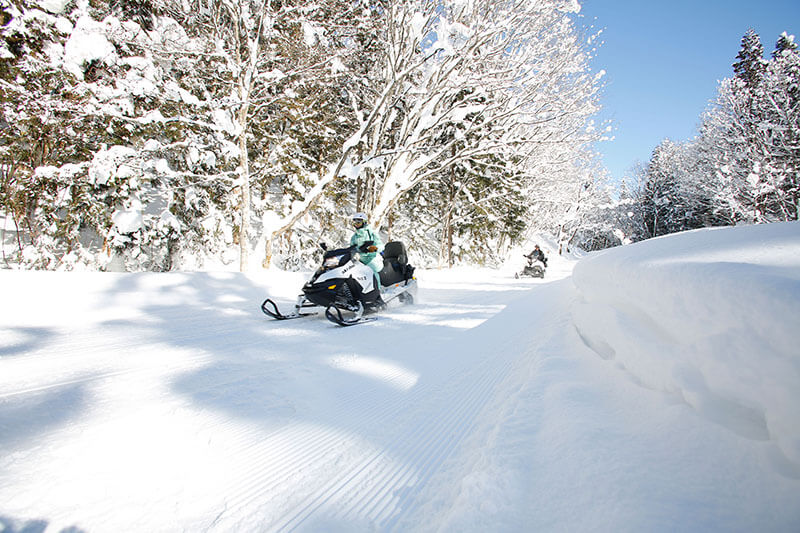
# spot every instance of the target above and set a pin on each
(360, 216)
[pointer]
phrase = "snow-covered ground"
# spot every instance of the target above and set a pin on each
(655, 388)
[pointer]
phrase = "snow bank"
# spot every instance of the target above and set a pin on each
(707, 315)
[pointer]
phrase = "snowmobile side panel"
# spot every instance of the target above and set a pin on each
(404, 291)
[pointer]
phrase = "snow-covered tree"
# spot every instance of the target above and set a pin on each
(467, 214)
(564, 205)
(750, 64)
(785, 45)
(744, 166)
(511, 74)
(280, 83)
(755, 133)
(241, 32)
(663, 194)
(156, 131)
(119, 153)
(53, 123)
(302, 195)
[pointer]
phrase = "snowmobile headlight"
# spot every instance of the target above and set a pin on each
(331, 262)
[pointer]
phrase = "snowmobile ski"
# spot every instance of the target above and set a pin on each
(270, 308)
(335, 314)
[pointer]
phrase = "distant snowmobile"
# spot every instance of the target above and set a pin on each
(345, 287)
(534, 269)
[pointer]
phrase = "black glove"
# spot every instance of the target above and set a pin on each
(366, 247)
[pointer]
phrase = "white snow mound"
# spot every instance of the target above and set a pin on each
(705, 314)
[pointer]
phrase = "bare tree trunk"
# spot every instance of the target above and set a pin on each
(443, 244)
(453, 193)
(360, 193)
(268, 251)
(244, 229)
(244, 170)
(561, 238)
(450, 241)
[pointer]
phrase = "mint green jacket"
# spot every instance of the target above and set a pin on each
(371, 259)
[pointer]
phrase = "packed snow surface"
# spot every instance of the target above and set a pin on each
(652, 387)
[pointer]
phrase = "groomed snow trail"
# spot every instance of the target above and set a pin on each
(168, 402)
(172, 393)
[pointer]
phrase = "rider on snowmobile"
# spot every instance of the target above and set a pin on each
(368, 243)
(342, 286)
(537, 255)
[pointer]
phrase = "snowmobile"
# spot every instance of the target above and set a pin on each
(347, 288)
(534, 269)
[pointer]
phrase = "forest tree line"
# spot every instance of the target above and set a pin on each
(743, 167)
(152, 134)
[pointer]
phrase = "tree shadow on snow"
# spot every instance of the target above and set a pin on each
(10, 525)
(23, 340)
(24, 417)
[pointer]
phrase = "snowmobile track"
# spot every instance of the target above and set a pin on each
(374, 488)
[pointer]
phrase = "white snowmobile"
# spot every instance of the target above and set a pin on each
(534, 269)
(347, 289)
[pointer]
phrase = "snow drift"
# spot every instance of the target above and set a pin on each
(710, 315)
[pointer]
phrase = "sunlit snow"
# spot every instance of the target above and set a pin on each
(651, 387)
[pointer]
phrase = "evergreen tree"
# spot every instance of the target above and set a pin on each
(781, 108)
(785, 45)
(54, 123)
(760, 143)
(473, 212)
(750, 65)
(119, 166)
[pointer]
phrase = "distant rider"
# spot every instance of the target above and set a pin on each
(368, 243)
(537, 255)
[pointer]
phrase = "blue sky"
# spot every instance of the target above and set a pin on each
(664, 60)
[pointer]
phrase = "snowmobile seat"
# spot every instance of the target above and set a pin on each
(395, 264)
(395, 250)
